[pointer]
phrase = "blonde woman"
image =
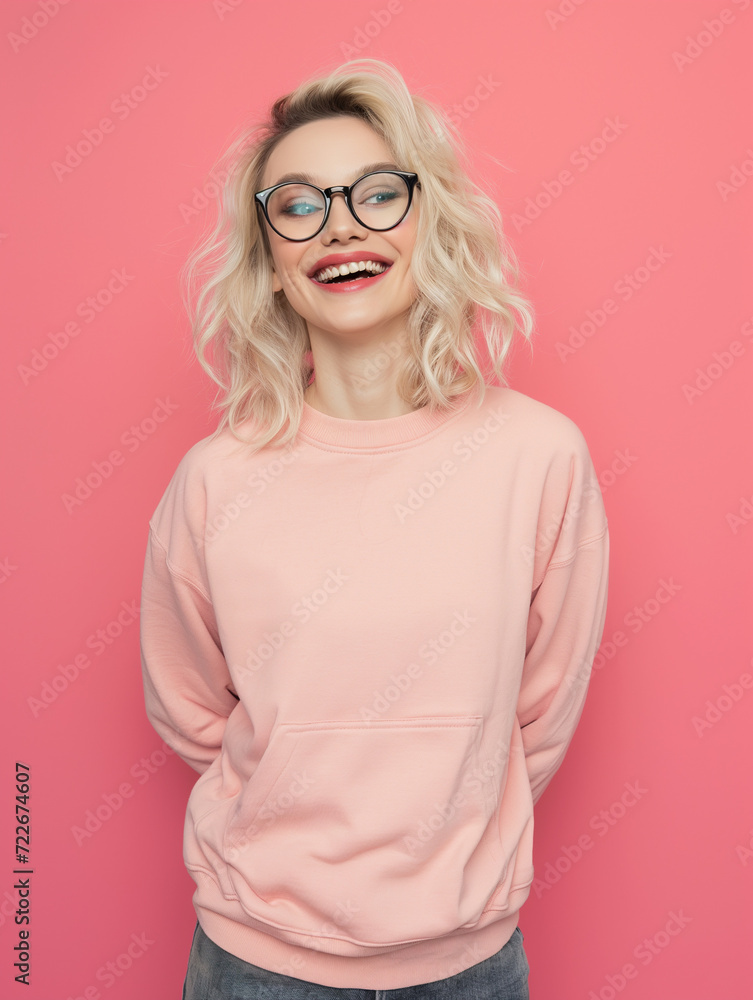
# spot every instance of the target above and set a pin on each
(372, 598)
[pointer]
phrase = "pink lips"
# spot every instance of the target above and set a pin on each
(351, 286)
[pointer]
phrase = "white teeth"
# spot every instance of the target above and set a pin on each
(328, 273)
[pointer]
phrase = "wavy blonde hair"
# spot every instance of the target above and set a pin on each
(462, 264)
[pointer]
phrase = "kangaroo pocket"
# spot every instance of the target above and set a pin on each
(375, 833)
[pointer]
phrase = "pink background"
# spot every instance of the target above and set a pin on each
(673, 188)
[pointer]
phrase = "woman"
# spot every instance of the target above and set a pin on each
(372, 598)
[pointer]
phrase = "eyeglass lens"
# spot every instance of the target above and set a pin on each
(379, 201)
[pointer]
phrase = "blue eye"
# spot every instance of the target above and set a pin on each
(385, 195)
(300, 208)
(374, 199)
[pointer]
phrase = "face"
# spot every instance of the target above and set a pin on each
(338, 151)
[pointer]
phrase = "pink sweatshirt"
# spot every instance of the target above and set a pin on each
(374, 647)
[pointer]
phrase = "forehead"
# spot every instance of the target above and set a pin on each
(329, 151)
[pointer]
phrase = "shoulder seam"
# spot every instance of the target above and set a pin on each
(566, 560)
(175, 571)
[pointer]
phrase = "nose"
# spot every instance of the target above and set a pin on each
(341, 222)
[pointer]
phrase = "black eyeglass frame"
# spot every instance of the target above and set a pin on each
(410, 178)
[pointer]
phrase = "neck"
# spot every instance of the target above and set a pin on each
(376, 402)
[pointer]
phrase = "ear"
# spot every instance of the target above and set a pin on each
(276, 283)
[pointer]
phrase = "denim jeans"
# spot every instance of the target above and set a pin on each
(215, 974)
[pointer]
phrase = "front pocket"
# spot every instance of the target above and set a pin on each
(376, 833)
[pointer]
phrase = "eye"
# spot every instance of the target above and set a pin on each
(385, 195)
(300, 208)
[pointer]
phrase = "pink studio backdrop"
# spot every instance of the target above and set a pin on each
(617, 139)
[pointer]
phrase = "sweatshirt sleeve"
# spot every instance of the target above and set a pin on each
(187, 685)
(566, 616)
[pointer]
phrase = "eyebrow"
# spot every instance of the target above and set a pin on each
(358, 172)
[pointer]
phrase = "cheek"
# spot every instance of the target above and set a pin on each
(288, 266)
(407, 236)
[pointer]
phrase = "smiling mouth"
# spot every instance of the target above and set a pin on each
(342, 274)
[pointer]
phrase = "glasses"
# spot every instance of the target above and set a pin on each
(378, 200)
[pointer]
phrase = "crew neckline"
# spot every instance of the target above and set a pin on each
(338, 433)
